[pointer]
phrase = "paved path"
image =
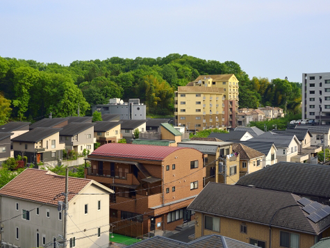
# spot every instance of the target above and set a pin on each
(183, 235)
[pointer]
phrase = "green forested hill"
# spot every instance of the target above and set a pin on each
(35, 89)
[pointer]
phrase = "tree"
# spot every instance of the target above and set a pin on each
(136, 133)
(123, 141)
(5, 109)
(97, 116)
(320, 155)
(205, 133)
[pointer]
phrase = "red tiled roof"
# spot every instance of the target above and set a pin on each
(42, 186)
(146, 152)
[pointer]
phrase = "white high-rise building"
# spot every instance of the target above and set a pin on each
(316, 96)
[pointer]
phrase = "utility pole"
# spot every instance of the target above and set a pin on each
(323, 148)
(66, 205)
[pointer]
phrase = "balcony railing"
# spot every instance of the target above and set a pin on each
(107, 173)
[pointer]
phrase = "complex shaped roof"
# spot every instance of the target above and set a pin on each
(47, 122)
(246, 152)
(104, 126)
(232, 136)
(74, 128)
(12, 126)
(131, 124)
(37, 134)
(254, 131)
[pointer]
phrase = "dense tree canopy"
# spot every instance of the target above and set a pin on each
(35, 89)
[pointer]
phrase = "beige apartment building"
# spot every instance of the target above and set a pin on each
(210, 101)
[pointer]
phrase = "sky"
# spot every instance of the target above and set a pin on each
(273, 38)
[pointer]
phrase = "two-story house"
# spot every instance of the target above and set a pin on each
(153, 184)
(78, 136)
(32, 211)
(128, 127)
(265, 218)
(16, 128)
(306, 180)
(39, 145)
(250, 160)
(5, 144)
(107, 132)
(320, 134)
(232, 136)
(267, 148)
(254, 131)
(220, 160)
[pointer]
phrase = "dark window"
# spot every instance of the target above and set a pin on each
(312, 92)
(167, 167)
(243, 228)
(312, 99)
(173, 189)
(212, 223)
(16, 206)
(26, 146)
(26, 215)
(173, 166)
(233, 170)
(60, 215)
(37, 211)
(175, 215)
(327, 89)
(259, 243)
(86, 208)
(99, 205)
(193, 164)
(273, 157)
(289, 240)
(17, 235)
(327, 81)
(311, 85)
(258, 162)
(311, 78)
(72, 242)
(167, 190)
(98, 232)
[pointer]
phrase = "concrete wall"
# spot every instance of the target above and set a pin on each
(290, 151)
(126, 111)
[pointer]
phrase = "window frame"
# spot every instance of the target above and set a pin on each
(86, 208)
(213, 220)
(194, 164)
(194, 185)
(48, 213)
(244, 228)
(173, 189)
(230, 170)
(167, 167)
(16, 233)
(99, 205)
(244, 164)
(99, 232)
(25, 214)
(173, 166)
(72, 242)
(289, 241)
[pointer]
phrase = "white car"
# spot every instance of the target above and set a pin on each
(292, 122)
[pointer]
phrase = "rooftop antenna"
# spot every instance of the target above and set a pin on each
(50, 115)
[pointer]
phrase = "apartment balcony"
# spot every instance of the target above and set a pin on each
(204, 121)
(203, 105)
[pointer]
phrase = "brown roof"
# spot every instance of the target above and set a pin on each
(207, 139)
(258, 111)
(218, 77)
(41, 186)
(246, 152)
(200, 89)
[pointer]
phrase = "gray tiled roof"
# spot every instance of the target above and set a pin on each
(103, 126)
(156, 122)
(209, 241)
(131, 124)
(12, 126)
(263, 147)
(254, 131)
(297, 178)
(80, 119)
(257, 206)
(74, 128)
(37, 134)
(110, 117)
(4, 135)
(46, 122)
(232, 136)
(300, 133)
(323, 243)
(314, 129)
(279, 140)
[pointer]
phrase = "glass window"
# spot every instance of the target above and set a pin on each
(193, 164)
(233, 170)
(47, 213)
(312, 92)
(98, 232)
(60, 215)
(72, 242)
(37, 211)
(312, 99)
(16, 206)
(53, 144)
(327, 106)
(183, 103)
(243, 228)
(327, 81)
(327, 89)
(244, 164)
(173, 166)
(182, 110)
(198, 110)
(198, 95)
(311, 106)
(167, 190)
(311, 85)
(99, 205)
(194, 185)
(26, 215)
(212, 223)
(86, 208)
(167, 167)
(289, 240)
(17, 234)
(327, 98)
(182, 95)
(258, 243)
(311, 78)
(182, 118)
(89, 136)
(311, 113)
(173, 189)
(198, 117)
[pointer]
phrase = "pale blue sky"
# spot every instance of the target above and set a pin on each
(274, 38)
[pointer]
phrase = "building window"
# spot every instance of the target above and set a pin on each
(47, 144)
(183, 103)
(167, 167)
(37, 211)
(198, 117)
(127, 131)
(167, 190)
(244, 165)
(327, 106)
(197, 125)
(311, 85)
(311, 78)
(173, 166)
(89, 147)
(43, 239)
(311, 113)
(3, 149)
(182, 110)
(53, 144)
(198, 95)
(327, 98)
(26, 146)
(327, 81)
(116, 132)
(193, 164)
(16, 206)
(312, 92)
(223, 83)
(289, 240)
(53, 154)
(198, 103)
(291, 149)
(182, 118)
(25, 214)
(327, 89)
(173, 189)
(99, 133)
(233, 170)
(311, 106)
(107, 134)
(183, 95)
(175, 215)
(194, 185)
(99, 205)
(258, 243)
(98, 232)
(212, 223)
(273, 157)
(73, 242)
(243, 228)
(47, 213)
(312, 99)
(60, 215)
(86, 208)
(89, 136)
(17, 234)
(258, 162)
(198, 110)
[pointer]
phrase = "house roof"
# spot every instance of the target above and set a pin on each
(300, 133)
(80, 119)
(37, 134)
(257, 206)
(110, 117)
(246, 152)
(171, 129)
(263, 147)
(199, 89)
(314, 129)
(156, 122)
(132, 151)
(42, 186)
(279, 140)
(297, 178)
(131, 124)
(210, 241)
(217, 77)
(206, 139)
(12, 126)
(152, 142)
(74, 128)
(46, 122)
(104, 126)
(254, 131)
(4, 135)
(234, 135)
(323, 243)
